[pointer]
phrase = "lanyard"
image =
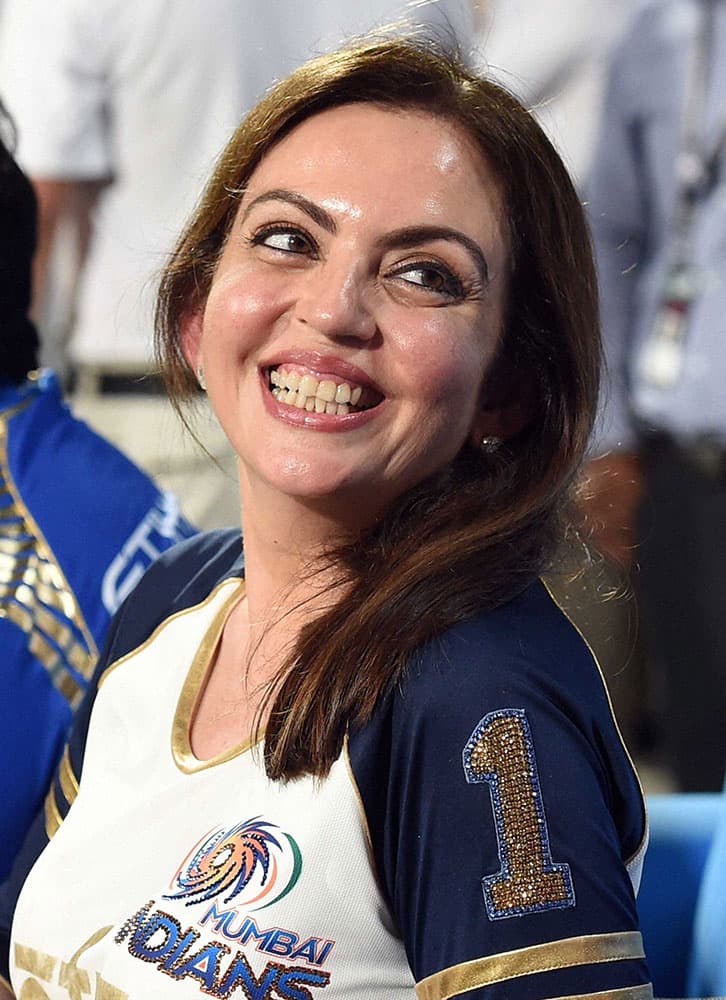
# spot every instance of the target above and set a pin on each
(698, 161)
(661, 358)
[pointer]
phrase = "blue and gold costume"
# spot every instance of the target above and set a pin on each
(480, 836)
(79, 524)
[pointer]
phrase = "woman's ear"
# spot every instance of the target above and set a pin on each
(190, 329)
(507, 404)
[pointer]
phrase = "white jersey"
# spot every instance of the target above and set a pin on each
(474, 837)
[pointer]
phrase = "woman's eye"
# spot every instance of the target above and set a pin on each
(431, 277)
(285, 240)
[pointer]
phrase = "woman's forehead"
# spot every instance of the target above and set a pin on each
(397, 159)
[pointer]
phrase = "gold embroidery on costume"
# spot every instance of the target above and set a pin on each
(34, 593)
(590, 949)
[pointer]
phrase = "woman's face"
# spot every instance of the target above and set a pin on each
(356, 308)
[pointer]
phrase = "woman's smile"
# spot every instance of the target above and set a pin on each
(316, 391)
(356, 307)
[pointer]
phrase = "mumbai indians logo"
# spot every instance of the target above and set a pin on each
(254, 863)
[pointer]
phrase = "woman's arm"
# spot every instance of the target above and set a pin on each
(503, 809)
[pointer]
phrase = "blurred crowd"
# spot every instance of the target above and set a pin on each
(119, 111)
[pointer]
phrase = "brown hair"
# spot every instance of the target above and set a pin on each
(481, 529)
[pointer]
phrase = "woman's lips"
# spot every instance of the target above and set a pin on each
(297, 386)
(318, 398)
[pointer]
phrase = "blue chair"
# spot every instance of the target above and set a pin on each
(682, 899)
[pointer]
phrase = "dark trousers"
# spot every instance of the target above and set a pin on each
(681, 585)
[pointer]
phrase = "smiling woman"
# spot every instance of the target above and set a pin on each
(388, 294)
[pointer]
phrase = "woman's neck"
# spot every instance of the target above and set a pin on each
(287, 542)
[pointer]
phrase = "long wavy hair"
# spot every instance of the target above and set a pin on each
(482, 528)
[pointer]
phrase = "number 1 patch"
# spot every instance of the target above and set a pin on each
(500, 752)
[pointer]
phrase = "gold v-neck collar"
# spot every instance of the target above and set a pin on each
(181, 747)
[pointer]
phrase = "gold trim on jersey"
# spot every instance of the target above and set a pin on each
(67, 779)
(160, 628)
(589, 949)
(637, 855)
(181, 747)
(34, 592)
(626, 993)
(53, 818)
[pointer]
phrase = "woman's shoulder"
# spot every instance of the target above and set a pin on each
(514, 687)
(528, 640)
(180, 578)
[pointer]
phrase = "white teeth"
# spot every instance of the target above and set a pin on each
(326, 391)
(308, 385)
(305, 392)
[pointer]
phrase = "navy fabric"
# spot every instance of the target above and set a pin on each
(434, 834)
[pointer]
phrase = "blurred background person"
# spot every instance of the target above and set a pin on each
(122, 108)
(79, 524)
(553, 55)
(658, 210)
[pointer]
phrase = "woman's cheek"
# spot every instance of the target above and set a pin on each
(447, 359)
(243, 307)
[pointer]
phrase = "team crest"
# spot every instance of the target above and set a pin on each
(253, 864)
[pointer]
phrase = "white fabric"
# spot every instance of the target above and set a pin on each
(146, 92)
(553, 55)
(130, 772)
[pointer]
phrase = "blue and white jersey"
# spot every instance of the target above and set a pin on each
(79, 524)
(480, 836)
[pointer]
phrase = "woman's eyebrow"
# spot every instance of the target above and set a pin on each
(324, 219)
(413, 235)
(407, 237)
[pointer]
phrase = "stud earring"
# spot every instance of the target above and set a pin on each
(490, 444)
(201, 380)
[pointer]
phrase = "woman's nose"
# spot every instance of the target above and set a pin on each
(334, 301)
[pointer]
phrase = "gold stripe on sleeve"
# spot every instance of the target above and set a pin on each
(586, 950)
(626, 993)
(67, 779)
(53, 818)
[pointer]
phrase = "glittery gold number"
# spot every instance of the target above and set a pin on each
(500, 752)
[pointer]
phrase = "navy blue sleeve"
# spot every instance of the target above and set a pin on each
(503, 809)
